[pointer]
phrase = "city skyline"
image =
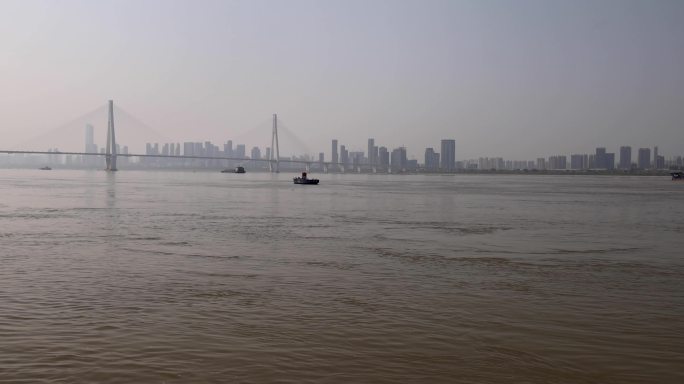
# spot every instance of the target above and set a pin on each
(356, 145)
(413, 152)
(446, 159)
(377, 158)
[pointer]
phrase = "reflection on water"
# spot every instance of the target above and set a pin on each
(203, 277)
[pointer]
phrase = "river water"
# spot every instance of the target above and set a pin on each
(180, 277)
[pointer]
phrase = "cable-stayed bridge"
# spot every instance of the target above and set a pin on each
(111, 154)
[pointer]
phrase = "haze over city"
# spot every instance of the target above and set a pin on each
(513, 79)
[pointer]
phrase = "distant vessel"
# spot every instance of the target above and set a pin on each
(677, 175)
(45, 168)
(236, 170)
(305, 180)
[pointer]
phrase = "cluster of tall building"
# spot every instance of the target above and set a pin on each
(599, 160)
(602, 159)
(167, 151)
(444, 161)
(237, 153)
(375, 159)
(381, 159)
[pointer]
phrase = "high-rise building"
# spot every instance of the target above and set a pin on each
(609, 161)
(655, 157)
(198, 149)
(644, 158)
(448, 154)
(188, 149)
(600, 158)
(557, 162)
(356, 158)
(240, 151)
(541, 163)
(344, 155)
(577, 162)
(399, 160)
(625, 157)
(371, 146)
(383, 157)
(90, 146)
(256, 153)
(228, 148)
(429, 152)
(431, 159)
(334, 156)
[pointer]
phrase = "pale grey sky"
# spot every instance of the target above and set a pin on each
(508, 78)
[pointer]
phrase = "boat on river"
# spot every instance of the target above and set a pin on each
(236, 170)
(304, 180)
(45, 168)
(677, 175)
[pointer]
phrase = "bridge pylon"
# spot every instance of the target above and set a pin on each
(110, 151)
(274, 163)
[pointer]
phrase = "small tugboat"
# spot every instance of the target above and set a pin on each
(45, 168)
(305, 180)
(236, 170)
(677, 175)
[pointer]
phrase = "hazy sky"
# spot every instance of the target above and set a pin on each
(508, 78)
